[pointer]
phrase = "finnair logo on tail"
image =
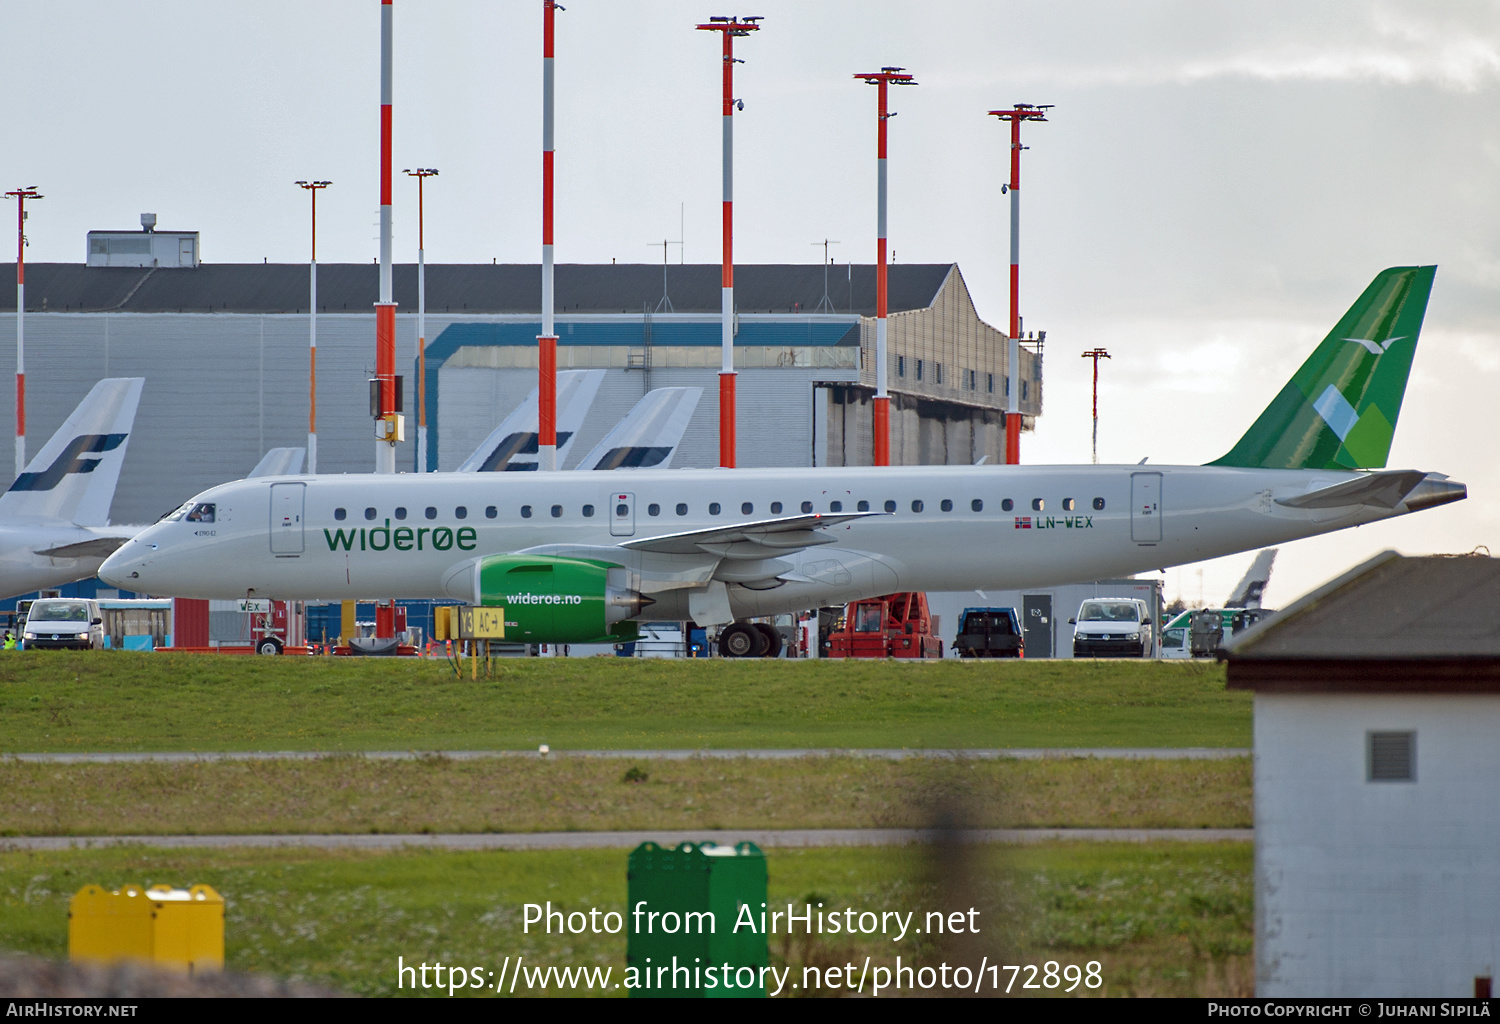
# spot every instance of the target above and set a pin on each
(1376, 347)
(71, 459)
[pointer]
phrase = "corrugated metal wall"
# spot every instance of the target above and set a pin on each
(775, 411)
(223, 388)
(220, 390)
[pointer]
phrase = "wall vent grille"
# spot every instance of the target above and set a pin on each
(1393, 757)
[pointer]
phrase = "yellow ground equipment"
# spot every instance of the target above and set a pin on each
(176, 929)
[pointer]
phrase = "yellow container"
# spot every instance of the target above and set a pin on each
(178, 929)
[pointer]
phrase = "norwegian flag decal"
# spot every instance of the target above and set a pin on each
(1023, 522)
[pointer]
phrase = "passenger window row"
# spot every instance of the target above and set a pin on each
(715, 508)
(1040, 505)
(430, 512)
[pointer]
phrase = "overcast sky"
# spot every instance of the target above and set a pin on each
(1216, 185)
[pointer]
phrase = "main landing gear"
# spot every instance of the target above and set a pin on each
(749, 640)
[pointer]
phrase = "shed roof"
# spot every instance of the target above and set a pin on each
(1395, 623)
(465, 288)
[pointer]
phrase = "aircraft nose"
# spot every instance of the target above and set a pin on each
(123, 569)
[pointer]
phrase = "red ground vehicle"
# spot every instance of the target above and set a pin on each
(893, 626)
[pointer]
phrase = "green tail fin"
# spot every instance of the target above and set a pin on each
(1339, 410)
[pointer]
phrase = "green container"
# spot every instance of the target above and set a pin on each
(697, 894)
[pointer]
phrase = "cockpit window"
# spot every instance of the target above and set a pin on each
(202, 512)
(177, 513)
(59, 611)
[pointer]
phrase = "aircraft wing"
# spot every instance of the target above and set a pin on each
(1385, 490)
(98, 547)
(755, 554)
(769, 535)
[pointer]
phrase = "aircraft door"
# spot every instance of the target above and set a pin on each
(1036, 624)
(286, 518)
(621, 515)
(1145, 507)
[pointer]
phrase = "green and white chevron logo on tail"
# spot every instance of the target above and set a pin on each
(1339, 410)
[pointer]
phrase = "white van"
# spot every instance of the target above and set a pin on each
(64, 622)
(1112, 627)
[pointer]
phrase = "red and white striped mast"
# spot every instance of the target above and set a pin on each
(313, 188)
(20, 195)
(547, 341)
(421, 174)
(1020, 112)
(388, 426)
(881, 79)
(730, 28)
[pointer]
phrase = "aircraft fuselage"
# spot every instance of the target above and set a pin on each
(948, 527)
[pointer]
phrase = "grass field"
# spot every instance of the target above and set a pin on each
(124, 701)
(1161, 919)
(437, 794)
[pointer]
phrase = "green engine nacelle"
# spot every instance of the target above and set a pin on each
(551, 600)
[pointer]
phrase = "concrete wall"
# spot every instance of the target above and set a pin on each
(1375, 888)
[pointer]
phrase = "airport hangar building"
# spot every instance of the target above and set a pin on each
(223, 349)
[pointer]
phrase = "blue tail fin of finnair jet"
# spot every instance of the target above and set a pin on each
(72, 479)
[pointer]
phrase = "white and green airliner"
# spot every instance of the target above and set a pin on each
(580, 556)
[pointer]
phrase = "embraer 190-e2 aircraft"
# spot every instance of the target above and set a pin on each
(573, 557)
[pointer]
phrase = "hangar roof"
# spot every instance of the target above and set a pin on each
(1392, 624)
(465, 288)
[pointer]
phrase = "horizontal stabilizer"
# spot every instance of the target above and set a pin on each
(1383, 490)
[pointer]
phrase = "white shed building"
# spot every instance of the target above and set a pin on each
(147, 247)
(1377, 782)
